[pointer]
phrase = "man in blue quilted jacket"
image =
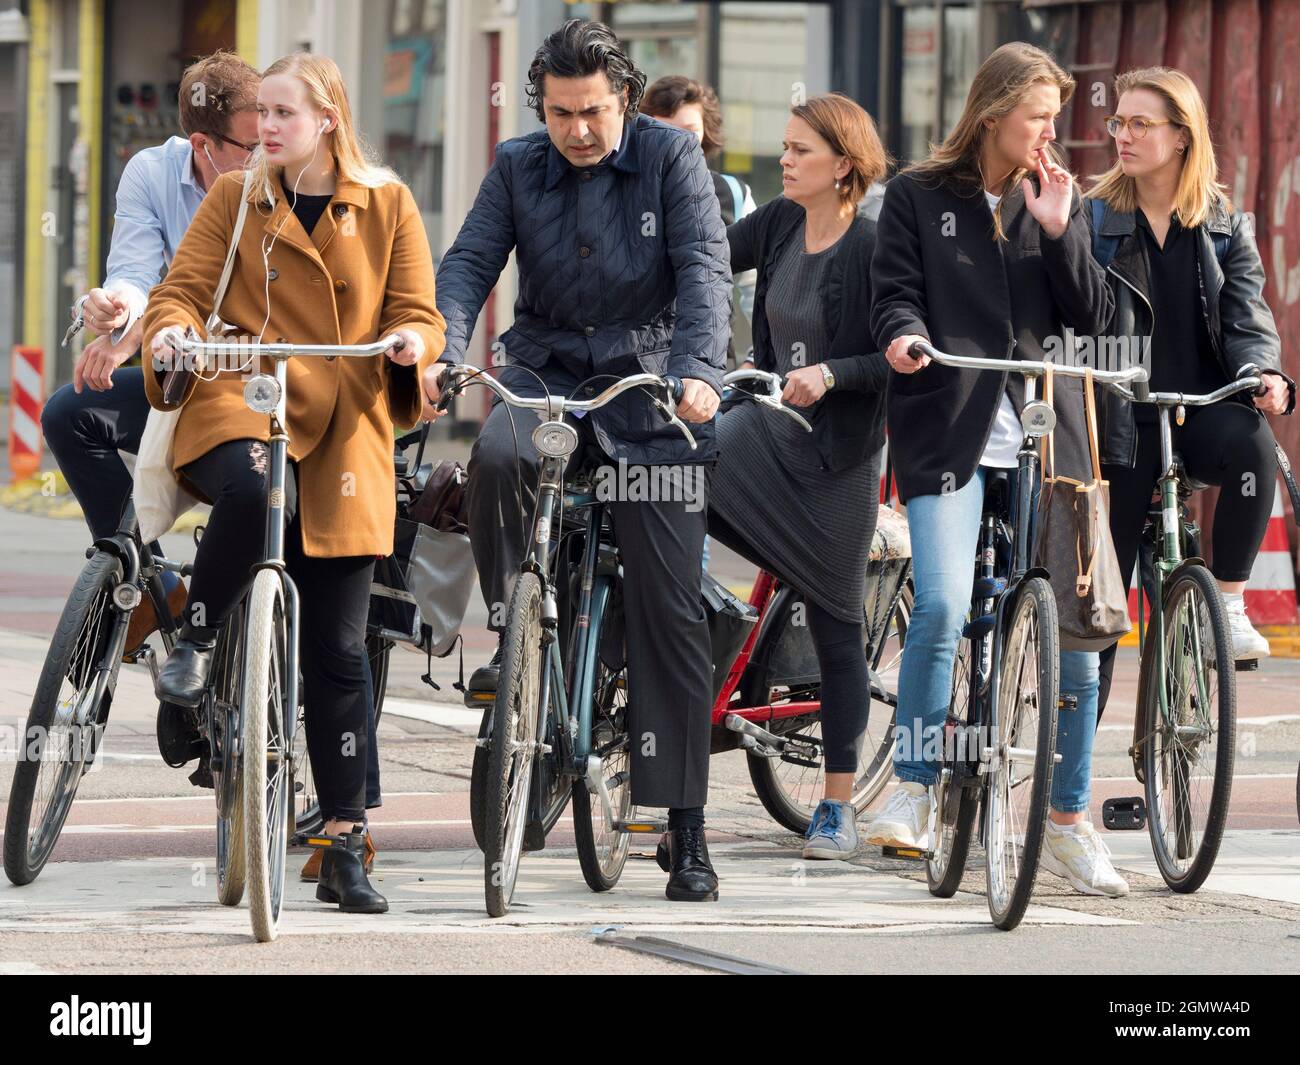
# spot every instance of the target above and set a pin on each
(623, 268)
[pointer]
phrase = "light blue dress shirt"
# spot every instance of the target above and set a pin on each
(157, 198)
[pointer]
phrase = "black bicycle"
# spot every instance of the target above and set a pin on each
(1000, 732)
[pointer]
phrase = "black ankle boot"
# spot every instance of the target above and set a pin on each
(684, 855)
(343, 876)
(184, 675)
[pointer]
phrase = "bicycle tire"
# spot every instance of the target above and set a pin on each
(222, 711)
(1009, 891)
(266, 761)
(950, 843)
(88, 610)
(1185, 872)
(511, 755)
(602, 851)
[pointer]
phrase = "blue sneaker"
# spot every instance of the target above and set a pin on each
(833, 832)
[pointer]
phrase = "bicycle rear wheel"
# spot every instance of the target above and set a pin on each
(513, 749)
(1015, 807)
(1188, 754)
(268, 724)
(222, 714)
(602, 851)
(69, 708)
(790, 790)
(954, 817)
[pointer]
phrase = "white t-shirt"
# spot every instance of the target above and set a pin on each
(1007, 433)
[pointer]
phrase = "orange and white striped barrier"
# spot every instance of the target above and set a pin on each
(26, 396)
(1270, 592)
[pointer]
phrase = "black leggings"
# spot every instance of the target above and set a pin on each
(1229, 445)
(333, 600)
(841, 656)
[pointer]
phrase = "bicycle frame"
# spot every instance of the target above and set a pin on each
(1170, 531)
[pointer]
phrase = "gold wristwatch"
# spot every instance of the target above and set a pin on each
(827, 376)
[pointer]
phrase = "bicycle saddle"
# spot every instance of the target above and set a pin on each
(1180, 471)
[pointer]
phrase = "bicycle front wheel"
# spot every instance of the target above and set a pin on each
(513, 745)
(1024, 742)
(1188, 749)
(70, 705)
(267, 724)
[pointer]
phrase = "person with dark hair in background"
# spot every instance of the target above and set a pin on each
(623, 269)
(689, 105)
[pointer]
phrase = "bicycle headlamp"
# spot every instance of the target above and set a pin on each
(1037, 418)
(555, 440)
(262, 393)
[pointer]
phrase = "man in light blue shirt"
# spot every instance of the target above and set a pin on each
(104, 410)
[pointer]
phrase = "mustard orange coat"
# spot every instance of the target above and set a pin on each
(365, 270)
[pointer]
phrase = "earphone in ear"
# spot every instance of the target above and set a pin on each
(324, 124)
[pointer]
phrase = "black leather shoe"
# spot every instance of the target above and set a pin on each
(484, 679)
(185, 673)
(343, 876)
(691, 878)
(179, 740)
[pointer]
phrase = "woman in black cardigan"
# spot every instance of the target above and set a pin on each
(803, 505)
(983, 250)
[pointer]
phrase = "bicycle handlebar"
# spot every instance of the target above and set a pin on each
(771, 398)
(454, 378)
(194, 346)
(1112, 379)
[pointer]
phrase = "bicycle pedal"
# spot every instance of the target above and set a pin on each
(1246, 665)
(202, 776)
(475, 700)
(907, 853)
(1068, 702)
(645, 824)
(806, 762)
(1124, 815)
(978, 628)
(989, 587)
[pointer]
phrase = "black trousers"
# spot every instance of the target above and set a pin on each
(86, 432)
(333, 602)
(841, 657)
(670, 671)
(1229, 445)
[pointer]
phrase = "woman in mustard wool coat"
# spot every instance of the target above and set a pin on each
(333, 251)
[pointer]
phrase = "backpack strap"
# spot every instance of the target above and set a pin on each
(737, 196)
(1103, 247)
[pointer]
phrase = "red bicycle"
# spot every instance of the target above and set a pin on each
(769, 704)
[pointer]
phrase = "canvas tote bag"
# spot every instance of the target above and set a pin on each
(159, 498)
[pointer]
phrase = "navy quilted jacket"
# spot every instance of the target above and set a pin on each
(623, 267)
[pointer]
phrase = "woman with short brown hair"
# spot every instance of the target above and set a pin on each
(803, 505)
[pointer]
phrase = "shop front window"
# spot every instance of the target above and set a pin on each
(920, 59)
(415, 76)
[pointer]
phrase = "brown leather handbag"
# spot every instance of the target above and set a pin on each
(1074, 544)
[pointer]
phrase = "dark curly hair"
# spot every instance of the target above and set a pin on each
(579, 49)
(669, 94)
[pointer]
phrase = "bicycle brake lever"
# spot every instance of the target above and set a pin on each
(776, 404)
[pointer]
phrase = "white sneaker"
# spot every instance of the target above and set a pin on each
(904, 821)
(1246, 642)
(1081, 857)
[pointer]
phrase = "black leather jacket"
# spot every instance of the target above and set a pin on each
(1240, 324)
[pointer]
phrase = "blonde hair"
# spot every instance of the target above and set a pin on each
(1001, 84)
(1198, 182)
(324, 83)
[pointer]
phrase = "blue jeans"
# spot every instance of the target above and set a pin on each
(945, 531)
